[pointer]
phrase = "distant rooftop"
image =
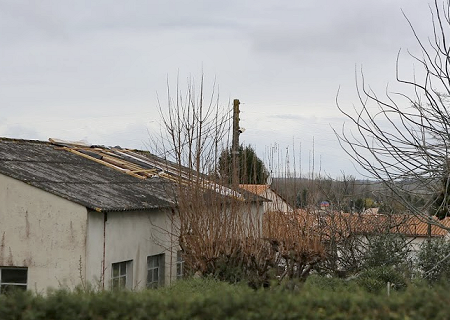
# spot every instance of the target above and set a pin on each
(258, 189)
(370, 223)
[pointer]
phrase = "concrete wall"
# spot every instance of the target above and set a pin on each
(130, 236)
(43, 232)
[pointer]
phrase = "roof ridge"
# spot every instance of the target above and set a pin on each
(24, 140)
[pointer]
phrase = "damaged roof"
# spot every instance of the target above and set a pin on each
(101, 178)
(55, 169)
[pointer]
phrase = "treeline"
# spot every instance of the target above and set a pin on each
(348, 194)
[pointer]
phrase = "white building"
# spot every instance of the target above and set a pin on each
(73, 214)
(275, 204)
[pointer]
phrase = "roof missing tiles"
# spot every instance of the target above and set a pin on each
(79, 179)
(100, 178)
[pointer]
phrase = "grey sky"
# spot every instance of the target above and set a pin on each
(92, 69)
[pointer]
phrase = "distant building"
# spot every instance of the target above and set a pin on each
(275, 203)
(337, 226)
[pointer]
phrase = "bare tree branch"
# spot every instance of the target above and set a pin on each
(403, 139)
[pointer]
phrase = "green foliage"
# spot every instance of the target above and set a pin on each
(238, 269)
(318, 298)
(431, 260)
(359, 205)
(351, 255)
(372, 280)
(385, 250)
(302, 199)
(251, 168)
(391, 207)
(376, 279)
(362, 204)
(327, 283)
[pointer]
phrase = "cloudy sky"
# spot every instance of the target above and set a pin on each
(92, 70)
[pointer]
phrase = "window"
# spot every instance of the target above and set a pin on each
(155, 271)
(121, 276)
(180, 264)
(13, 278)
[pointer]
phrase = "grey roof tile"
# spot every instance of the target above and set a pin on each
(81, 180)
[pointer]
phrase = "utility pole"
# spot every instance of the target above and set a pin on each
(235, 144)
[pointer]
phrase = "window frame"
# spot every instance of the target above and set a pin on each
(17, 285)
(180, 264)
(124, 277)
(157, 269)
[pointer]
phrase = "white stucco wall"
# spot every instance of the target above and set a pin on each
(254, 215)
(130, 235)
(135, 235)
(43, 232)
(62, 243)
(276, 203)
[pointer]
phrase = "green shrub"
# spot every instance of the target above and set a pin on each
(326, 283)
(376, 279)
(431, 260)
(318, 298)
(386, 249)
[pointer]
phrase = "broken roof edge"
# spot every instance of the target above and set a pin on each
(246, 188)
(154, 201)
(167, 169)
(61, 142)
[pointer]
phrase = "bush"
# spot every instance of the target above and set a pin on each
(430, 260)
(351, 255)
(376, 279)
(326, 283)
(209, 299)
(385, 250)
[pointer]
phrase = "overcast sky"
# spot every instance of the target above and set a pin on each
(92, 70)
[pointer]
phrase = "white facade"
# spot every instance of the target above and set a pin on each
(74, 214)
(61, 243)
(275, 203)
(42, 232)
(131, 237)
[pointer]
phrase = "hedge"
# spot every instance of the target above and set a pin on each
(208, 299)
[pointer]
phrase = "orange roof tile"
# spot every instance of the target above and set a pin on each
(415, 226)
(258, 189)
(338, 224)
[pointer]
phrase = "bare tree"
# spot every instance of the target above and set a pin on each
(194, 129)
(403, 139)
(220, 229)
